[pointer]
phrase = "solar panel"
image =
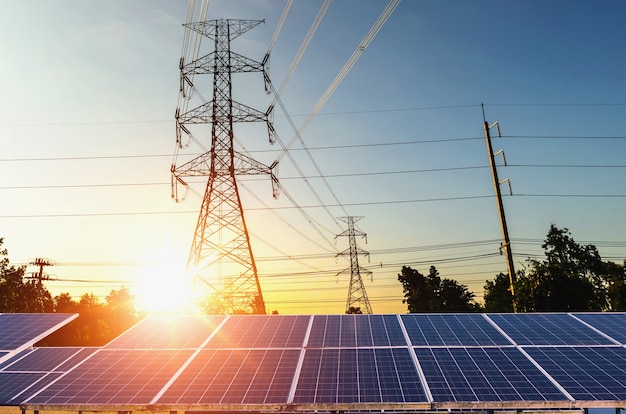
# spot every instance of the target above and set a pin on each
(45, 359)
(547, 329)
(167, 332)
(356, 330)
(20, 330)
(484, 374)
(587, 373)
(14, 385)
(451, 330)
(251, 376)
(358, 376)
(332, 363)
(115, 377)
(261, 331)
(611, 324)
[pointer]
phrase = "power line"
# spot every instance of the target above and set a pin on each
(367, 203)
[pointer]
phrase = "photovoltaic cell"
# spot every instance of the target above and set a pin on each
(42, 360)
(13, 385)
(115, 377)
(451, 330)
(587, 373)
(358, 376)
(167, 332)
(24, 329)
(484, 374)
(547, 329)
(611, 324)
(252, 376)
(355, 331)
(261, 331)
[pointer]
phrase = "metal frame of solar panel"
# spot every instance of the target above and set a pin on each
(301, 363)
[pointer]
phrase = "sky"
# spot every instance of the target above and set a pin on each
(88, 95)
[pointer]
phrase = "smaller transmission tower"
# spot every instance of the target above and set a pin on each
(357, 297)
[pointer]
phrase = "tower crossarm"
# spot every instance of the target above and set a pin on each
(245, 165)
(211, 64)
(204, 114)
(236, 27)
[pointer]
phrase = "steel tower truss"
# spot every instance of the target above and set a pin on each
(220, 262)
(357, 296)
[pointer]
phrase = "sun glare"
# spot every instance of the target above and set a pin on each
(163, 289)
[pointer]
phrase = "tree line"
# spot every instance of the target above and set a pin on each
(571, 277)
(98, 322)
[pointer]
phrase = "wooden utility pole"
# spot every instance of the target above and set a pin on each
(496, 184)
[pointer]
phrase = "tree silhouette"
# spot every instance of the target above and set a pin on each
(572, 277)
(431, 293)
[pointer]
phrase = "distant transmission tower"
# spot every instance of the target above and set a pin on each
(220, 260)
(357, 296)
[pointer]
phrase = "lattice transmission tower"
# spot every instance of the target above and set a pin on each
(357, 296)
(220, 263)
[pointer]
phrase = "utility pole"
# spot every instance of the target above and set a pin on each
(506, 246)
(220, 263)
(357, 296)
(40, 276)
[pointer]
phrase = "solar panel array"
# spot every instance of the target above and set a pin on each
(24, 370)
(349, 362)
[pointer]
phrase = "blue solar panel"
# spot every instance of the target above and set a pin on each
(358, 376)
(261, 331)
(611, 324)
(547, 329)
(355, 331)
(14, 385)
(484, 374)
(44, 360)
(251, 376)
(167, 332)
(18, 330)
(586, 373)
(115, 377)
(451, 330)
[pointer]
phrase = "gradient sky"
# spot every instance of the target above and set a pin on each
(89, 90)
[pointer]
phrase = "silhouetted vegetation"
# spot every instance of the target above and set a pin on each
(572, 277)
(431, 293)
(98, 322)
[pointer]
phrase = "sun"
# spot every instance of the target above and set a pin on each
(163, 288)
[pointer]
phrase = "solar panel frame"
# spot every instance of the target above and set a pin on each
(53, 359)
(611, 324)
(355, 331)
(261, 331)
(484, 374)
(358, 375)
(229, 376)
(451, 330)
(547, 329)
(168, 332)
(22, 330)
(114, 377)
(13, 385)
(587, 373)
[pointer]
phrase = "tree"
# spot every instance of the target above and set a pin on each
(498, 296)
(120, 311)
(433, 294)
(615, 278)
(17, 295)
(572, 277)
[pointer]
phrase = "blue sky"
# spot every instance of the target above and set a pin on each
(89, 91)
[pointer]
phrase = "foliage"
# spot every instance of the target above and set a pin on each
(17, 295)
(572, 277)
(431, 293)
